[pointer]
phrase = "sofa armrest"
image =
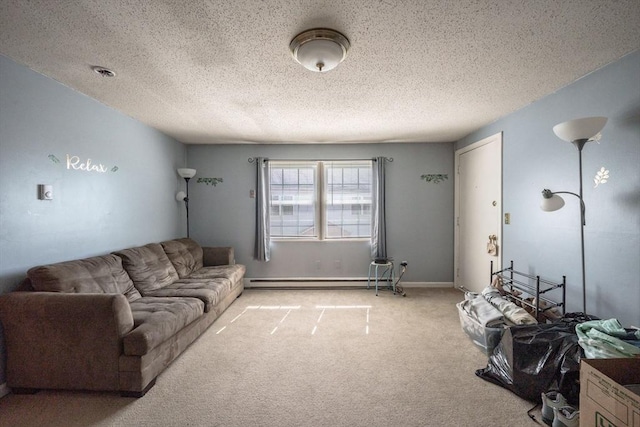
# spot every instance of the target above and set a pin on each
(218, 256)
(61, 340)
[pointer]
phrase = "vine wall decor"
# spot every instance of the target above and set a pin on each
(435, 178)
(209, 181)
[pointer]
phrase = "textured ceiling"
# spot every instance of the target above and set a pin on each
(221, 72)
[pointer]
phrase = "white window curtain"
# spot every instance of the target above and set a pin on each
(378, 221)
(262, 250)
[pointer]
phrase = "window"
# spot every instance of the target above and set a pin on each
(320, 200)
(347, 188)
(293, 189)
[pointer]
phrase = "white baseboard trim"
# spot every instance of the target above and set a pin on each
(303, 282)
(427, 284)
(329, 282)
(4, 390)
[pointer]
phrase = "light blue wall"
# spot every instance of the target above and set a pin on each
(92, 213)
(419, 214)
(534, 158)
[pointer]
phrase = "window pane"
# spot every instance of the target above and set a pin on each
(347, 199)
(293, 196)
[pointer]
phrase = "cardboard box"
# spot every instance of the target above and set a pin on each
(604, 399)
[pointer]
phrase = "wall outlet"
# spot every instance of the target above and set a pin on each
(507, 218)
(318, 265)
(337, 264)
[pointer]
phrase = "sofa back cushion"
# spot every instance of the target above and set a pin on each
(148, 266)
(185, 255)
(101, 274)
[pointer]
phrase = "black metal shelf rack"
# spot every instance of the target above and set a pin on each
(519, 286)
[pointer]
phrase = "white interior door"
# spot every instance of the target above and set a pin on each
(478, 210)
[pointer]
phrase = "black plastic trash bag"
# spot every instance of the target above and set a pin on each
(532, 359)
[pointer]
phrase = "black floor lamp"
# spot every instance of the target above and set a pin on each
(578, 132)
(187, 174)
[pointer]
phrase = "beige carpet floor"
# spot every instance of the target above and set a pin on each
(307, 358)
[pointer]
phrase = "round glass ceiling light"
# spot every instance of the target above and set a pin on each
(319, 49)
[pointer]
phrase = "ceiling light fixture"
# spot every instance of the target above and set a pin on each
(104, 72)
(319, 49)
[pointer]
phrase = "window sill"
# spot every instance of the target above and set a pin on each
(308, 240)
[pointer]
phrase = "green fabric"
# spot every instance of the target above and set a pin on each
(600, 339)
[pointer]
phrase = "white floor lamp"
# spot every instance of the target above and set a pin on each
(578, 132)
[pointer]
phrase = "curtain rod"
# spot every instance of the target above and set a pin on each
(253, 159)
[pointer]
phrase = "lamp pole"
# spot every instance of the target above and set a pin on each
(187, 174)
(186, 203)
(550, 195)
(579, 143)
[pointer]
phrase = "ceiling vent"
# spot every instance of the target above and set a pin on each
(104, 72)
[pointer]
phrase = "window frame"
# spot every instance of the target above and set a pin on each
(293, 163)
(320, 205)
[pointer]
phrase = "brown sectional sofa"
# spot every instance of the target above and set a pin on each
(114, 322)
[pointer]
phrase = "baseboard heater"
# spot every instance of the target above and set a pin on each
(316, 283)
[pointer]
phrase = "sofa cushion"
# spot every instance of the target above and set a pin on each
(148, 266)
(101, 274)
(232, 272)
(158, 319)
(210, 291)
(184, 254)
